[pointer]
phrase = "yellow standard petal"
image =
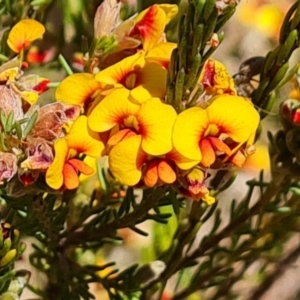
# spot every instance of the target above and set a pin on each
(24, 33)
(54, 174)
(126, 160)
(188, 129)
(83, 139)
(235, 116)
(111, 111)
(77, 89)
(156, 120)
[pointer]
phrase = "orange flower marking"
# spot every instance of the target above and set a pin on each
(70, 172)
(158, 170)
(24, 33)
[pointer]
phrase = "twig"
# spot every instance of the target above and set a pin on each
(278, 272)
(128, 220)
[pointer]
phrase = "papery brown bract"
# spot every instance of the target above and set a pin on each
(51, 120)
(106, 18)
(8, 166)
(11, 102)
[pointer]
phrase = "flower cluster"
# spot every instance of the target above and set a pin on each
(119, 109)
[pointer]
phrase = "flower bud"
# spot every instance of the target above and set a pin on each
(193, 185)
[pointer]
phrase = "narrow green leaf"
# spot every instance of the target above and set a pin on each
(286, 48)
(65, 64)
(30, 124)
(9, 121)
(193, 71)
(208, 9)
(179, 89)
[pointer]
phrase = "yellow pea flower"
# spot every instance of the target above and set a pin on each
(215, 79)
(193, 185)
(153, 120)
(144, 131)
(143, 79)
(203, 135)
(64, 170)
(24, 33)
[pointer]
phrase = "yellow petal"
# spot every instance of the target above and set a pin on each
(71, 170)
(208, 153)
(150, 176)
(77, 89)
(170, 10)
(92, 163)
(54, 174)
(119, 136)
(235, 116)
(165, 172)
(71, 179)
(161, 54)
(259, 160)
(83, 139)
(150, 25)
(268, 19)
(24, 33)
(181, 161)
(157, 120)
(29, 96)
(117, 73)
(188, 130)
(126, 160)
(153, 82)
(111, 111)
(139, 95)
